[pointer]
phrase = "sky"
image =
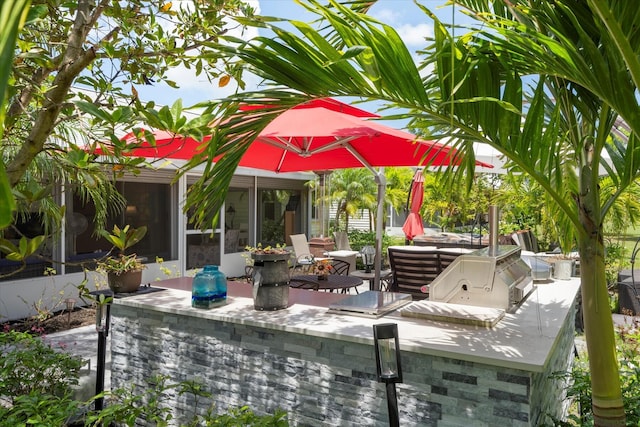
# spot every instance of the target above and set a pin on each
(408, 20)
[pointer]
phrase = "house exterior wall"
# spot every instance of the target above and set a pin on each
(25, 295)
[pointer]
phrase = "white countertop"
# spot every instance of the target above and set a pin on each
(521, 340)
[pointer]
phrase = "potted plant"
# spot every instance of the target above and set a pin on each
(124, 272)
(270, 276)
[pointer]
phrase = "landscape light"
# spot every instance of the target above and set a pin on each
(388, 368)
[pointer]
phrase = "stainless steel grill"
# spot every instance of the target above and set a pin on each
(495, 276)
(501, 281)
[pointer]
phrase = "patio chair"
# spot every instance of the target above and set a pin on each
(339, 266)
(303, 256)
(342, 241)
(342, 267)
(413, 267)
(343, 250)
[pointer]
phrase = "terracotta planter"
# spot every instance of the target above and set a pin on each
(125, 283)
(270, 281)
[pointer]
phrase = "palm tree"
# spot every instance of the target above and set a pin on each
(451, 206)
(398, 188)
(586, 68)
(352, 190)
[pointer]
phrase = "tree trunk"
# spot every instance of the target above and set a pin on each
(607, 404)
(74, 61)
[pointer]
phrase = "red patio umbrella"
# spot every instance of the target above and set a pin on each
(167, 146)
(413, 225)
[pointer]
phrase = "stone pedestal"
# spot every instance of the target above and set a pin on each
(270, 281)
(320, 245)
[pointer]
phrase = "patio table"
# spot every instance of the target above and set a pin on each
(333, 282)
(385, 278)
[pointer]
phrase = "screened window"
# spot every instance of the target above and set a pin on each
(148, 204)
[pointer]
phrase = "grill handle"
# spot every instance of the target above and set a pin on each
(494, 214)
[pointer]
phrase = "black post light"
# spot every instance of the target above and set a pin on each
(389, 370)
(103, 318)
(368, 257)
(70, 303)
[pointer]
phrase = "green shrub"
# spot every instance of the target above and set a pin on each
(579, 391)
(36, 389)
(126, 406)
(36, 382)
(39, 409)
(29, 366)
(615, 260)
(358, 239)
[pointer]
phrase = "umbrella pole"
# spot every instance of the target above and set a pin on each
(322, 183)
(381, 180)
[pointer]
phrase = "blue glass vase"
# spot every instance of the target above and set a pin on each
(209, 287)
(219, 287)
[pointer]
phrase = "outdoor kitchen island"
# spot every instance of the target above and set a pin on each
(320, 367)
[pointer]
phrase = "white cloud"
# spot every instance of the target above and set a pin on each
(414, 35)
(386, 15)
(411, 24)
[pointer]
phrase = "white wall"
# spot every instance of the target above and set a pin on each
(23, 298)
(19, 298)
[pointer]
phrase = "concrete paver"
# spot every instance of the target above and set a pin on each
(83, 342)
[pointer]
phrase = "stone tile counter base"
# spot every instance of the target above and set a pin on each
(322, 378)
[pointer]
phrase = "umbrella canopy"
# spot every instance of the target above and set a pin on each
(320, 139)
(413, 225)
(166, 146)
(315, 136)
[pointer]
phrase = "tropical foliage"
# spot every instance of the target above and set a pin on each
(352, 191)
(458, 207)
(582, 60)
(12, 17)
(398, 188)
(72, 88)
